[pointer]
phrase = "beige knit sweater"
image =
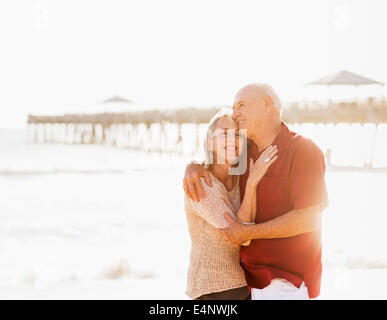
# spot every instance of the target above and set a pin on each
(214, 262)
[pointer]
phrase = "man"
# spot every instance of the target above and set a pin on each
(283, 260)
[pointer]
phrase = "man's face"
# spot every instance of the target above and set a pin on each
(248, 110)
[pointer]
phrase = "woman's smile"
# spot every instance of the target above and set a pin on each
(231, 148)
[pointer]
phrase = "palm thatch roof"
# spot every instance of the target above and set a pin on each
(116, 99)
(344, 78)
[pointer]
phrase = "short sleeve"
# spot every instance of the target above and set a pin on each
(213, 207)
(307, 176)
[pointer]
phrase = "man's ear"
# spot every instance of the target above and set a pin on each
(267, 101)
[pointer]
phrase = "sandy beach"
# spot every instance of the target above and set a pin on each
(337, 285)
(77, 223)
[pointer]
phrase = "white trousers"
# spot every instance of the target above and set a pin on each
(280, 289)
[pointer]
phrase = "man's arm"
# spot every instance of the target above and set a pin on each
(191, 183)
(308, 197)
(291, 224)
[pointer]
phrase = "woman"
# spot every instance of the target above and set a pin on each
(214, 271)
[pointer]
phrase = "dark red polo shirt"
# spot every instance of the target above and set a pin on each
(294, 181)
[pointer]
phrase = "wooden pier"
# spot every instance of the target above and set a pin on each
(147, 130)
(128, 129)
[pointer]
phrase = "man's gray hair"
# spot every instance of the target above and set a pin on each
(267, 90)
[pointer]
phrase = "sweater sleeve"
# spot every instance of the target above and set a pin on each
(213, 207)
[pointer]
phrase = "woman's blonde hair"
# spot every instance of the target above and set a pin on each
(226, 113)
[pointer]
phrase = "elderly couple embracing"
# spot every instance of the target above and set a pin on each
(254, 206)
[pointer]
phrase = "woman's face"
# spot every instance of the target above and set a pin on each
(227, 145)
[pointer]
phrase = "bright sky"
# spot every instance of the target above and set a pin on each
(66, 56)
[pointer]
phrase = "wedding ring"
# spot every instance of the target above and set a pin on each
(267, 159)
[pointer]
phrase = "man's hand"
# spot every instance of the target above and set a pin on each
(191, 183)
(237, 232)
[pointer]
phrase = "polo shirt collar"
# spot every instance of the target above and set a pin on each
(282, 137)
(280, 140)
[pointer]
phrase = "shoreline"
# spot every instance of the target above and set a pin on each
(337, 284)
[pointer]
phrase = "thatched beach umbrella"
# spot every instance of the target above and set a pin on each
(116, 103)
(117, 99)
(350, 79)
(344, 78)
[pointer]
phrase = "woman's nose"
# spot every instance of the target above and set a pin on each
(230, 138)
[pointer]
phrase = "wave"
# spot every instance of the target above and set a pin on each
(59, 171)
(356, 262)
(122, 269)
(115, 271)
(364, 263)
(41, 232)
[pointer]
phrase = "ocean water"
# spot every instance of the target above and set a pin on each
(97, 216)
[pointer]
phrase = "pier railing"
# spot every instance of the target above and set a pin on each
(149, 130)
